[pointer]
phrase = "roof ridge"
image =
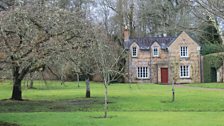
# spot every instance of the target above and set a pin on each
(146, 42)
(153, 37)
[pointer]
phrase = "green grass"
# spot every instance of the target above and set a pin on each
(116, 119)
(208, 85)
(135, 104)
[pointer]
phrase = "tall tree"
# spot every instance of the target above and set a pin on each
(162, 16)
(121, 14)
(214, 7)
(107, 56)
(30, 35)
(210, 33)
(82, 61)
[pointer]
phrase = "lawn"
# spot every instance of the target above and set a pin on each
(129, 104)
(208, 85)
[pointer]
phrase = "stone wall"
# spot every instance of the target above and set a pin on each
(146, 59)
(220, 74)
(167, 59)
(193, 59)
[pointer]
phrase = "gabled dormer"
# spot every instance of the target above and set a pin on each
(134, 49)
(155, 49)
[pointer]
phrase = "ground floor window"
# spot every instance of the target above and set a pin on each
(184, 71)
(143, 72)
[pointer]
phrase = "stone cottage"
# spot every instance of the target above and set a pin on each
(162, 59)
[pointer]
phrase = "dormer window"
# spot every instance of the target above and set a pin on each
(183, 51)
(134, 51)
(155, 51)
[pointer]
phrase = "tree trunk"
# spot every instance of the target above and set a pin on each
(77, 76)
(31, 84)
(62, 80)
(42, 74)
(16, 92)
(26, 83)
(105, 100)
(87, 88)
(31, 81)
(173, 92)
(62, 74)
(131, 16)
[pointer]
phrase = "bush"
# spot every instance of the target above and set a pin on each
(212, 61)
(211, 48)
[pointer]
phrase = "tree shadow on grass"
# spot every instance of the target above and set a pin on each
(79, 104)
(8, 124)
(102, 117)
(166, 101)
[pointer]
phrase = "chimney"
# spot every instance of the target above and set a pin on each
(126, 33)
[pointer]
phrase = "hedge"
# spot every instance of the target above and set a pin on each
(212, 61)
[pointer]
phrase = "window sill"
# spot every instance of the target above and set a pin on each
(142, 78)
(185, 77)
(182, 57)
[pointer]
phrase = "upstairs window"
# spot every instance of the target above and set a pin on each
(143, 73)
(184, 71)
(134, 52)
(155, 52)
(183, 51)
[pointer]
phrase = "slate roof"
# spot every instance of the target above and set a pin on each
(145, 43)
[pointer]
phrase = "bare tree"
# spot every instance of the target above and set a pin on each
(107, 56)
(30, 35)
(156, 17)
(116, 15)
(214, 7)
(6, 4)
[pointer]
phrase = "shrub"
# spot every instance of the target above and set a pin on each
(211, 48)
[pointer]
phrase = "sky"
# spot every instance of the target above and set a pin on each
(221, 24)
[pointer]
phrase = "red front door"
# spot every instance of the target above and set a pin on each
(164, 75)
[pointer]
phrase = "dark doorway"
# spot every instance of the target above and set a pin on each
(164, 75)
(213, 75)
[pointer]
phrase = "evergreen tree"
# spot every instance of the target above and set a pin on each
(210, 34)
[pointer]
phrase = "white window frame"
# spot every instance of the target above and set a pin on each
(132, 51)
(142, 72)
(185, 71)
(155, 55)
(183, 51)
